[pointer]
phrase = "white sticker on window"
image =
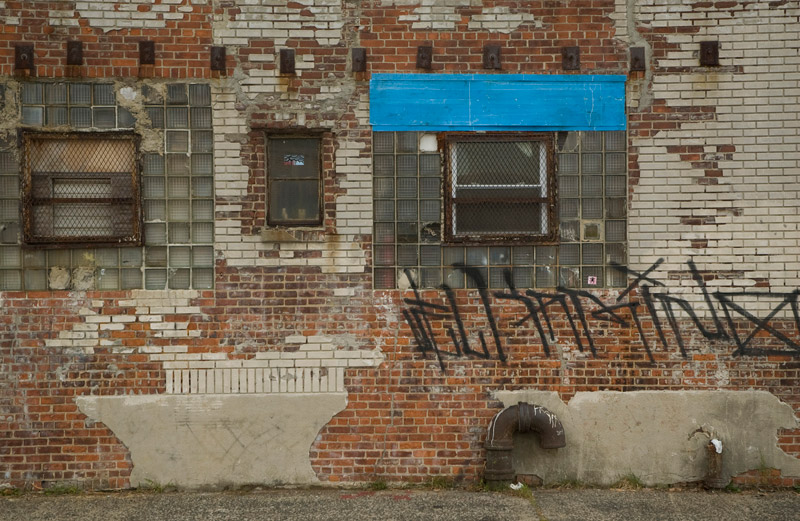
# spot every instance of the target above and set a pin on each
(294, 160)
(592, 281)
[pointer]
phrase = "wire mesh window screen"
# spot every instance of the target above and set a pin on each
(500, 188)
(176, 190)
(81, 189)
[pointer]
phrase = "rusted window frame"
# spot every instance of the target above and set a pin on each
(320, 137)
(28, 201)
(550, 235)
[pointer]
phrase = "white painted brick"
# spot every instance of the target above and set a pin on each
(112, 327)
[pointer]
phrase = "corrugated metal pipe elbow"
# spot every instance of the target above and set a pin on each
(521, 418)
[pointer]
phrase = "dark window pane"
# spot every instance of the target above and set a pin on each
(406, 141)
(545, 277)
(431, 278)
(429, 165)
(294, 201)
(294, 175)
(384, 278)
(508, 218)
(523, 277)
(383, 187)
(429, 187)
(384, 255)
(383, 142)
(407, 232)
(500, 255)
(384, 233)
(430, 255)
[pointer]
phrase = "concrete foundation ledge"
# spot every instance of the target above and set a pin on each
(656, 437)
(217, 440)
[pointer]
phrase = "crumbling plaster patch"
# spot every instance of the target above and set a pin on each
(9, 114)
(640, 93)
(658, 436)
(128, 96)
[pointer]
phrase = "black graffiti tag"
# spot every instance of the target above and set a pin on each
(577, 305)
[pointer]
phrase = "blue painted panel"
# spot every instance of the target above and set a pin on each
(496, 102)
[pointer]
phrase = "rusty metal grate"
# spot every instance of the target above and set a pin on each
(81, 189)
(500, 187)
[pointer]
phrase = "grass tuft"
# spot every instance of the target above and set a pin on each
(732, 488)
(440, 483)
(629, 482)
(378, 485)
(156, 487)
(62, 490)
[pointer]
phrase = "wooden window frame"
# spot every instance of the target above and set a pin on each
(289, 223)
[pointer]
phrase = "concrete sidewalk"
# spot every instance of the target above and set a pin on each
(390, 505)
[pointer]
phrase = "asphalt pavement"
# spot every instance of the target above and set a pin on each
(408, 504)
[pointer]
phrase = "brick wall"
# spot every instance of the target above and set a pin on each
(712, 241)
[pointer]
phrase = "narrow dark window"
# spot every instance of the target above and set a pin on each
(81, 188)
(293, 177)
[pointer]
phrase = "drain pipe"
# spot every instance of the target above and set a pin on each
(715, 478)
(521, 418)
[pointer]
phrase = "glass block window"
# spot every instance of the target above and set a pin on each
(294, 174)
(499, 187)
(176, 191)
(10, 252)
(409, 210)
(593, 197)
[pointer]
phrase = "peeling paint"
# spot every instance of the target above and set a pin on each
(128, 14)
(321, 20)
(502, 20)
